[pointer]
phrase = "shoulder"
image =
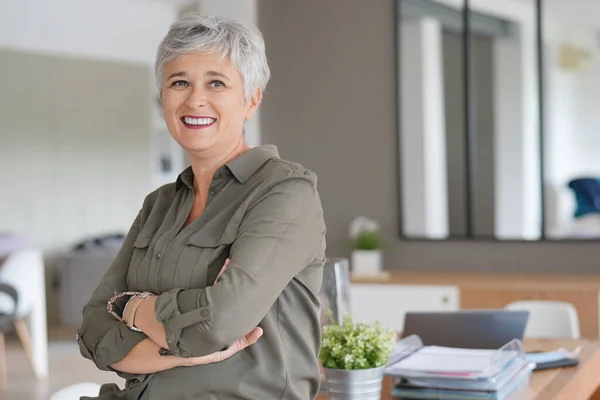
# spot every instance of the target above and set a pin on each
(277, 171)
(285, 185)
(164, 195)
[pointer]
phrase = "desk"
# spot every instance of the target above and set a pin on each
(574, 383)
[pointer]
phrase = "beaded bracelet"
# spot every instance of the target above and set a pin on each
(110, 306)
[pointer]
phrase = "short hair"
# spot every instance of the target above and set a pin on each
(242, 44)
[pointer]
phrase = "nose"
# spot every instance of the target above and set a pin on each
(197, 98)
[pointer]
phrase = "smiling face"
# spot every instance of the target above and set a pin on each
(203, 103)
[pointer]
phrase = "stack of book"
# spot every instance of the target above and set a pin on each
(434, 372)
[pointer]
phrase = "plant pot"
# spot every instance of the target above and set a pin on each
(359, 384)
(366, 262)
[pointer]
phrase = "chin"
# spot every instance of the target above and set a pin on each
(197, 145)
(195, 140)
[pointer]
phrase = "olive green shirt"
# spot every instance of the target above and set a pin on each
(265, 214)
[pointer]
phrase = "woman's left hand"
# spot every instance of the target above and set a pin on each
(219, 356)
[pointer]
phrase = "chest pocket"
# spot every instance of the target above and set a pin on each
(141, 248)
(212, 252)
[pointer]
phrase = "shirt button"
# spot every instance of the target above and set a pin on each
(204, 313)
(213, 191)
(158, 256)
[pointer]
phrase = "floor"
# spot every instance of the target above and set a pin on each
(66, 367)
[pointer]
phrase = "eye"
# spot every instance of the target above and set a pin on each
(216, 84)
(180, 83)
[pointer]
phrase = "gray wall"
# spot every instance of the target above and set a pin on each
(331, 106)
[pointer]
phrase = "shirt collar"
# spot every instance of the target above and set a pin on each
(242, 167)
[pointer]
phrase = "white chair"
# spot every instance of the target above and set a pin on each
(74, 392)
(549, 319)
(24, 270)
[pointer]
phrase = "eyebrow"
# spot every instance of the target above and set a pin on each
(180, 74)
(183, 74)
(215, 73)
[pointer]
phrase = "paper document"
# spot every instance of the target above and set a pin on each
(446, 360)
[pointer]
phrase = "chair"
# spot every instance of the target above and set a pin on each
(74, 392)
(549, 319)
(6, 325)
(24, 271)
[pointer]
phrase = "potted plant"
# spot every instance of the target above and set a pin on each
(353, 357)
(367, 246)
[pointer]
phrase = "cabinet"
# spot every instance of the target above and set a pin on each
(389, 303)
(388, 298)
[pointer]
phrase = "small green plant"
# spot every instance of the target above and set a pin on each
(367, 241)
(352, 346)
(364, 234)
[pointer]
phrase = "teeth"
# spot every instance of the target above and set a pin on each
(198, 121)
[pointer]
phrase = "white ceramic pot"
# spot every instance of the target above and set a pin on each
(366, 262)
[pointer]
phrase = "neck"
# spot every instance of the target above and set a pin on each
(205, 165)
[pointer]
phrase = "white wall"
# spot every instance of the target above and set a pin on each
(112, 30)
(117, 30)
(74, 147)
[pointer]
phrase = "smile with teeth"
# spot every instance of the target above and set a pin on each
(203, 121)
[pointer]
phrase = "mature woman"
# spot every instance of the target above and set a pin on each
(214, 294)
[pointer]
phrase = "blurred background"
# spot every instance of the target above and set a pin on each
(470, 135)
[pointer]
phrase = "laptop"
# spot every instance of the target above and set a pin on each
(469, 329)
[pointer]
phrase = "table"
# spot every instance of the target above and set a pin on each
(574, 383)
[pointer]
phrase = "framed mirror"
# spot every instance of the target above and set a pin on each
(571, 98)
(478, 156)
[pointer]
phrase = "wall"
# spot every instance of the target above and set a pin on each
(78, 143)
(126, 31)
(115, 30)
(332, 106)
(74, 150)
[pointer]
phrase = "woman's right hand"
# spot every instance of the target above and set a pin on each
(240, 345)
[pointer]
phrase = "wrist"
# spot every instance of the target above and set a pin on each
(132, 308)
(185, 362)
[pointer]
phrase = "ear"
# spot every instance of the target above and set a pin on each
(252, 105)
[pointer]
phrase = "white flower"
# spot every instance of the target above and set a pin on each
(362, 224)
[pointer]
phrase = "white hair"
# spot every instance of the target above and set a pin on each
(242, 44)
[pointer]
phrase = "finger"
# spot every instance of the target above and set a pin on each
(238, 346)
(242, 343)
(253, 336)
(224, 267)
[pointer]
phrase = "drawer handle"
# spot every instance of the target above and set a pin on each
(445, 299)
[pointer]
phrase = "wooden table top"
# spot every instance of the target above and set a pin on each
(573, 383)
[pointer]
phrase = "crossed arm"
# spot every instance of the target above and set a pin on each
(280, 234)
(145, 357)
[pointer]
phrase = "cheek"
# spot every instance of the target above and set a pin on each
(170, 105)
(231, 110)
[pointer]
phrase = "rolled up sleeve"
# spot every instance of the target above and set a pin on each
(281, 233)
(101, 338)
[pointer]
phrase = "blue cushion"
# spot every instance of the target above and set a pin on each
(587, 196)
